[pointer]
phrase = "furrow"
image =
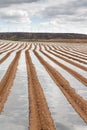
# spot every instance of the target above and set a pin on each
(5, 57)
(71, 57)
(66, 59)
(40, 117)
(79, 104)
(7, 80)
(75, 74)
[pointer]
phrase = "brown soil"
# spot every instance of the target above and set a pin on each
(39, 116)
(74, 50)
(74, 55)
(79, 104)
(7, 80)
(65, 59)
(24, 47)
(75, 74)
(5, 57)
(1, 47)
(82, 51)
(69, 56)
(30, 47)
(80, 54)
(6, 48)
(12, 47)
(19, 47)
(82, 41)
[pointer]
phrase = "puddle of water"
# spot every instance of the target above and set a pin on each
(16, 110)
(65, 117)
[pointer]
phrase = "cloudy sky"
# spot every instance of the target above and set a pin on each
(43, 16)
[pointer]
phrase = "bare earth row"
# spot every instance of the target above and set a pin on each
(39, 114)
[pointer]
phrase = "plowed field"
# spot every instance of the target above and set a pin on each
(43, 86)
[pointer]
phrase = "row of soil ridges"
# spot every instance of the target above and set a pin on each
(5, 57)
(70, 56)
(7, 80)
(78, 76)
(40, 117)
(65, 58)
(77, 102)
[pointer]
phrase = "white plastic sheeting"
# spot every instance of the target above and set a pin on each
(15, 115)
(65, 117)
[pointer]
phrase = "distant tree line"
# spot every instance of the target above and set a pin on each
(23, 35)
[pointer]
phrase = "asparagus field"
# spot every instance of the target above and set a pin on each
(43, 86)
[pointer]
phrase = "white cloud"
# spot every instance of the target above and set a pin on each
(45, 24)
(15, 16)
(56, 25)
(58, 15)
(7, 3)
